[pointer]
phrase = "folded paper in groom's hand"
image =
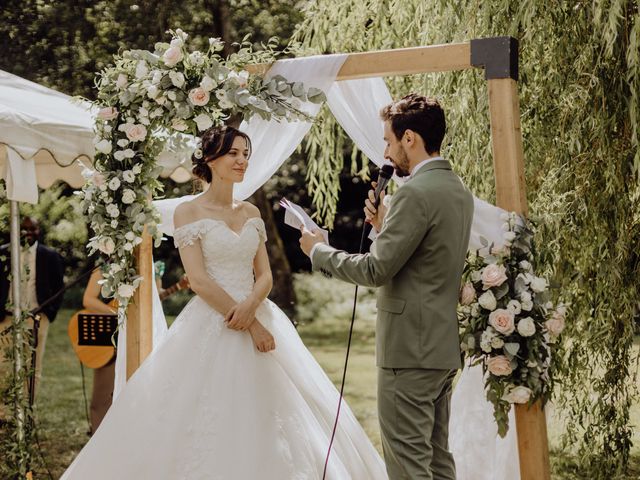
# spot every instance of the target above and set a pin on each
(296, 217)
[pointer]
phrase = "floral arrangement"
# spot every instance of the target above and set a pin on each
(149, 102)
(508, 323)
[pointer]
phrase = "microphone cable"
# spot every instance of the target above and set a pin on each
(384, 175)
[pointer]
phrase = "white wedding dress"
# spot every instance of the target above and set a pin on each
(207, 405)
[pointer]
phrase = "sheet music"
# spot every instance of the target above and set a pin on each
(296, 217)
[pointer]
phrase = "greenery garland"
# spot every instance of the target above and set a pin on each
(150, 102)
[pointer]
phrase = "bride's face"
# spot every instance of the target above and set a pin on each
(232, 165)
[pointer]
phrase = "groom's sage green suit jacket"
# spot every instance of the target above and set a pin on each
(417, 261)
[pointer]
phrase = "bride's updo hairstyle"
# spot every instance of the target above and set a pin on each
(215, 142)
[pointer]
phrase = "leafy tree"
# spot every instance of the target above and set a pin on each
(579, 91)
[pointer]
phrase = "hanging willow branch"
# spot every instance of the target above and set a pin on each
(579, 92)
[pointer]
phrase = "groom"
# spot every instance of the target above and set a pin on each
(417, 261)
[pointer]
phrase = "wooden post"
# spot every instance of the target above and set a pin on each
(139, 312)
(506, 142)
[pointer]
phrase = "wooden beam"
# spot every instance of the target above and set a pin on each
(402, 61)
(506, 143)
(140, 311)
(508, 161)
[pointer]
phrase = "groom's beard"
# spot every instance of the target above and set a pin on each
(401, 164)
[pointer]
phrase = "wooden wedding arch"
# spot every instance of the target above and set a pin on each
(498, 56)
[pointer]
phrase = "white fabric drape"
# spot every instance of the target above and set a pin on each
(159, 330)
(273, 142)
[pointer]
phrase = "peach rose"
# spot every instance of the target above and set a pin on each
(493, 276)
(199, 96)
(136, 132)
(467, 294)
(172, 56)
(555, 325)
(108, 113)
(502, 321)
(500, 366)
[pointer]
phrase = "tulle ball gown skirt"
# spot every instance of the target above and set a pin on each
(207, 405)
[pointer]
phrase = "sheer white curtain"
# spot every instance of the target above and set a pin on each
(273, 142)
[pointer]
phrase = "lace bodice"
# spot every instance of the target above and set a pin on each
(228, 255)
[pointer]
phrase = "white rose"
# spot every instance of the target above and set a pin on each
(519, 394)
(177, 79)
(514, 307)
(488, 301)
(128, 196)
(123, 142)
(137, 169)
(524, 265)
(526, 327)
(114, 223)
(128, 176)
(538, 284)
(104, 146)
(207, 83)
(114, 183)
(497, 342)
(179, 124)
(152, 91)
(525, 296)
(107, 246)
(128, 246)
(119, 155)
(172, 56)
(509, 236)
(112, 210)
(136, 132)
(196, 58)
(176, 43)
(203, 121)
(125, 291)
(141, 69)
(527, 305)
(130, 236)
(122, 81)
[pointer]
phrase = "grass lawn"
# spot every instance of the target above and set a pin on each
(61, 409)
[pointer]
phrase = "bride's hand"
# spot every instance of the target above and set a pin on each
(241, 315)
(262, 339)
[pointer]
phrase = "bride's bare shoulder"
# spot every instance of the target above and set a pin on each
(251, 210)
(185, 213)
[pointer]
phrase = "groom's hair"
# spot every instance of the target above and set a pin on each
(420, 114)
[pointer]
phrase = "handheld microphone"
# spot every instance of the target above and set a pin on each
(385, 174)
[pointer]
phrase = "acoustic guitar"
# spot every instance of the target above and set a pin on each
(97, 356)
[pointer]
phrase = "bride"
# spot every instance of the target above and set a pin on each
(231, 393)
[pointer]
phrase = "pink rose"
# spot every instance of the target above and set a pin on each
(172, 56)
(108, 113)
(136, 132)
(502, 321)
(467, 294)
(199, 96)
(493, 276)
(500, 366)
(555, 325)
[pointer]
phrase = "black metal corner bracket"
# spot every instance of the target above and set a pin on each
(497, 55)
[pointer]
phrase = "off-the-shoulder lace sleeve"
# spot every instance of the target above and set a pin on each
(262, 231)
(189, 233)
